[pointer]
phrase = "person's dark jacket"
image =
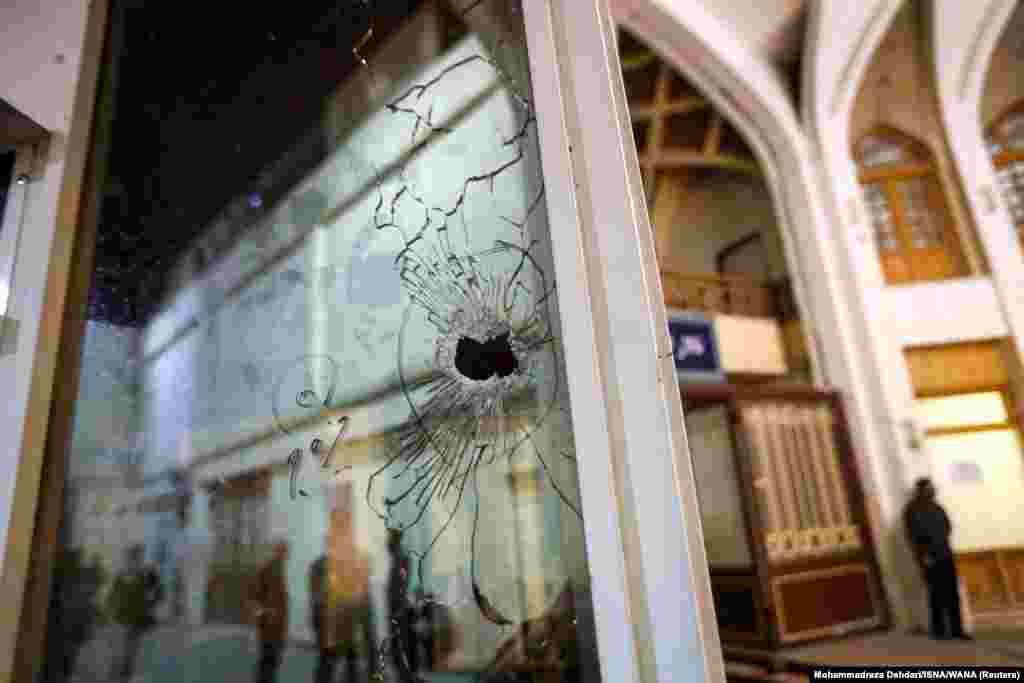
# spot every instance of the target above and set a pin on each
(929, 529)
(134, 597)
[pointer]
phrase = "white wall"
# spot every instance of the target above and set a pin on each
(42, 48)
(715, 213)
(948, 312)
(985, 512)
(750, 345)
(766, 25)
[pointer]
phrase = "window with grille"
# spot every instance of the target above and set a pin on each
(1006, 145)
(881, 217)
(907, 208)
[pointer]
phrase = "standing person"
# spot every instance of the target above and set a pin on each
(133, 598)
(929, 529)
(400, 612)
(268, 605)
(339, 588)
(73, 612)
(182, 505)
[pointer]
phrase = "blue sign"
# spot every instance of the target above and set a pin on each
(695, 348)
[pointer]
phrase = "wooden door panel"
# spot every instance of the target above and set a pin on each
(986, 589)
(827, 583)
(895, 267)
(1013, 565)
(934, 263)
(833, 601)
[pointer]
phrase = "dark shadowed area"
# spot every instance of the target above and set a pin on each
(206, 96)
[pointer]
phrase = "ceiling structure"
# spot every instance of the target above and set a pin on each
(774, 28)
(17, 129)
(674, 126)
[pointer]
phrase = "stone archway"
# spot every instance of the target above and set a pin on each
(752, 96)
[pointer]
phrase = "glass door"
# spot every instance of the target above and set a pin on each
(327, 263)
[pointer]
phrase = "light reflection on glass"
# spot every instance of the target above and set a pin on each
(344, 442)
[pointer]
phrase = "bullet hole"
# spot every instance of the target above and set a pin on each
(482, 361)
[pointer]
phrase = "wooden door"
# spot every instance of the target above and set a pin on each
(239, 516)
(815, 570)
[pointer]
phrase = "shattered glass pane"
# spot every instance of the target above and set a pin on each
(341, 438)
(1011, 182)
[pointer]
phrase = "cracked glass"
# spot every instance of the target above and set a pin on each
(322, 427)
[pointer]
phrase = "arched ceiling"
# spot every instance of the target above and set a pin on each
(775, 28)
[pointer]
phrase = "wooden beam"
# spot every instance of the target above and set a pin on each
(679, 159)
(713, 138)
(668, 201)
(656, 131)
(706, 393)
(683, 105)
(17, 129)
(637, 61)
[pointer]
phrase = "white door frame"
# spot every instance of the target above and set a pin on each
(652, 596)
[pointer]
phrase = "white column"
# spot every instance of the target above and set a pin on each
(844, 37)
(964, 36)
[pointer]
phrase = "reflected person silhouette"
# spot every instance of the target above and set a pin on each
(339, 586)
(267, 604)
(136, 592)
(179, 582)
(401, 616)
(546, 644)
(73, 612)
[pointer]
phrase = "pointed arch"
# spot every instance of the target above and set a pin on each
(886, 145)
(822, 246)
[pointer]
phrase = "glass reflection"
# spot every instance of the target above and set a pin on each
(341, 447)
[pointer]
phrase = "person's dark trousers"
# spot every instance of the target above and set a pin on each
(944, 599)
(132, 644)
(179, 594)
(61, 666)
(270, 660)
(328, 660)
(405, 653)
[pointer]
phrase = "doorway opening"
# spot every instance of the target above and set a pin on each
(782, 514)
(966, 399)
